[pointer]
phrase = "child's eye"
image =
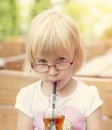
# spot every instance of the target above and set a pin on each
(42, 61)
(61, 59)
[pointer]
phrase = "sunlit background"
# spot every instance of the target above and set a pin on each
(94, 18)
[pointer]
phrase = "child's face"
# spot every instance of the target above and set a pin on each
(55, 68)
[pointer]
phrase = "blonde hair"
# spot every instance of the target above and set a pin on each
(52, 32)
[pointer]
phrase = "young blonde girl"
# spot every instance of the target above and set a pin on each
(54, 52)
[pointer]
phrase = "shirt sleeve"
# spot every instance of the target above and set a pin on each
(23, 102)
(94, 100)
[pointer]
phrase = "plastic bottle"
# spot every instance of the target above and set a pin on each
(53, 116)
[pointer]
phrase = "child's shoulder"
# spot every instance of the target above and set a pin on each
(84, 88)
(31, 87)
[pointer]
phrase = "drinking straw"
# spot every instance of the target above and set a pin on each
(52, 123)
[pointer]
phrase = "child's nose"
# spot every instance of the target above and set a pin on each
(53, 71)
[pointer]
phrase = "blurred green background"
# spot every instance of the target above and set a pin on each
(94, 17)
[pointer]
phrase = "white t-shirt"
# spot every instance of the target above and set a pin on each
(83, 101)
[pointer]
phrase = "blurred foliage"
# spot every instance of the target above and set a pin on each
(39, 5)
(107, 34)
(88, 15)
(8, 19)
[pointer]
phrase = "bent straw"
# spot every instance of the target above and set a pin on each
(52, 125)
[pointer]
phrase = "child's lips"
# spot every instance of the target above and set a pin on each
(58, 81)
(51, 82)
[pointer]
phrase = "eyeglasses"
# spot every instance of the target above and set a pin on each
(44, 67)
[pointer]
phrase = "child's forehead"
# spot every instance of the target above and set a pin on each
(53, 57)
